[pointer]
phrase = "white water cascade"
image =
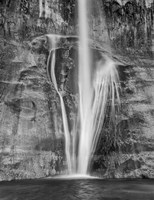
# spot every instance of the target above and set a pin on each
(97, 85)
(51, 74)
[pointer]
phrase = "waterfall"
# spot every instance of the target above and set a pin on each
(85, 87)
(51, 74)
(97, 85)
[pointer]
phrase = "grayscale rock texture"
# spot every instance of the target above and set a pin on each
(31, 130)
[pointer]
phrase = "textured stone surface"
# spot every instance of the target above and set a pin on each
(129, 153)
(31, 131)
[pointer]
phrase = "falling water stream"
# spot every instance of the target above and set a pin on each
(51, 74)
(97, 84)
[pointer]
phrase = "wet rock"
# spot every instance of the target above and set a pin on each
(129, 165)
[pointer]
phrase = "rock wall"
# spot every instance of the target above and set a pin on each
(129, 151)
(31, 131)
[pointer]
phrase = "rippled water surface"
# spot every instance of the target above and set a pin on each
(86, 189)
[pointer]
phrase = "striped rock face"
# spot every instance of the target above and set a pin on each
(152, 34)
(147, 3)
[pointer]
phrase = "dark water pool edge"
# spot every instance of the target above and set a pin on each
(54, 178)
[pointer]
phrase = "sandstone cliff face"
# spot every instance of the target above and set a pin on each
(31, 133)
(130, 26)
(31, 130)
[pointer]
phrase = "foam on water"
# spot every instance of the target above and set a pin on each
(75, 176)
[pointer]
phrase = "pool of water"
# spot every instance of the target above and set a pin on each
(75, 189)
